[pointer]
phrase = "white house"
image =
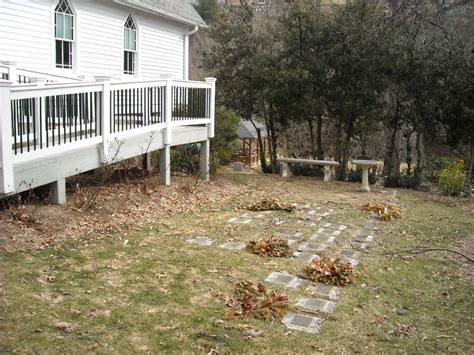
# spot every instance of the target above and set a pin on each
(137, 39)
(85, 83)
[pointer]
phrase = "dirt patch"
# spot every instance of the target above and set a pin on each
(118, 206)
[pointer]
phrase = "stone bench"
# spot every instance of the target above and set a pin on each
(328, 166)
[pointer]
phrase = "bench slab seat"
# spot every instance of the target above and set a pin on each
(328, 165)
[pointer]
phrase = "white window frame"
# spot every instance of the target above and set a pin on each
(134, 72)
(73, 50)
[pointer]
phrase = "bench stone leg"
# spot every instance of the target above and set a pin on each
(58, 192)
(327, 173)
(284, 170)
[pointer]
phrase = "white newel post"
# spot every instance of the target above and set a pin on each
(212, 109)
(105, 116)
(168, 109)
(40, 111)
(6, 154)
(165, 152)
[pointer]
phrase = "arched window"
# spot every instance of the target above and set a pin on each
(130, 46)
(64, 34)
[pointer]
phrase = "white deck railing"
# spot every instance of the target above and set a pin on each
(40, 120)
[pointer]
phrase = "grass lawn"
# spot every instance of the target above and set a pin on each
(145, 289)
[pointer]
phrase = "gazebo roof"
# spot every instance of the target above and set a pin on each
(247, 130)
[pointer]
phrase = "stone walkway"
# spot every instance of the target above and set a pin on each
(321, 298)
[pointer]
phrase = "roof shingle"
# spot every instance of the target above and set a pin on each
(179, 10)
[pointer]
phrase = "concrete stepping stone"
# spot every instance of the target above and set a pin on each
(305, 257)
(274, 222)
(306, 222)
(290, 234)
(346, 253)
(283, 279)
(326, 291)
(321, 238)
(252, 215)
(319, 213)
(341, 227)
(238, 220)
(234, 245)
(316, 305)
(354, 262)
(360, 245)
(203, 241)
(302, 322)
(301, 206)
(364, 238)
(328, 232)
(312, 247)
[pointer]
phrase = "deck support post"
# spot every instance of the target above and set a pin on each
(165, 165)
(204, 166)
(6, 154)
(58, 192)
(211, 110)
(147, 162)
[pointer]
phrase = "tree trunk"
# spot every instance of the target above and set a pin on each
(409, 157)
(391, 164)
(346, 151)
(320, 152)
(338, 155)
(312, 137)
(263, 160)
(273, 141)
(420, 156)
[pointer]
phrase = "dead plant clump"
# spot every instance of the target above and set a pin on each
(331, 271)
(255, 300)
(270, 246)
(24, 216)
(268, 204)
(384, 211)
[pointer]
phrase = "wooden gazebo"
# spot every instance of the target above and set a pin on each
(249, 151)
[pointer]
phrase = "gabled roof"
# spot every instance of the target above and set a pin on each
(178, 10)
(247, 130)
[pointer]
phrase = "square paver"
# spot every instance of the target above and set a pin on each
(306, 222)
(238, 220)
(321, 238)
(354, 262)
(326, 291)
(204, 241)
(360, 245)
(312, 247)
(290, 234)
(305, 257)
(284, 279)
(252, 215)
(347, 253)
(316, 304)
(274, 222)
(340, 227)
(329, 232)
(302, 322)
(364, 238)
(301, 206)
(234, 245)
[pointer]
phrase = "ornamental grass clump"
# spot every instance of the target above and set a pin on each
(331, 271)
(255, 300)
(270, 246)
(270, 204)
(383, 211)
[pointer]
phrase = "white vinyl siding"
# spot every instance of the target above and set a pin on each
(27, 37)
(26, 33)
